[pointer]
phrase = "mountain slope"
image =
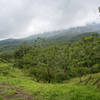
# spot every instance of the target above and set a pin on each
(61, 35)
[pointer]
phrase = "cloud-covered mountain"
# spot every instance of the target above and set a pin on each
(61, 35)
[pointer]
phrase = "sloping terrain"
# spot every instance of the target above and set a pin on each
(14, 85)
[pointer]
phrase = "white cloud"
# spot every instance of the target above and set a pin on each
(19, 18)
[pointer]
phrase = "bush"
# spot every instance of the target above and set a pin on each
(95, 68)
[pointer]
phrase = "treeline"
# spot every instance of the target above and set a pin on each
(52, 62)
(55, 62)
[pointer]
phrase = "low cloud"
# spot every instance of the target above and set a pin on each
(19, 18)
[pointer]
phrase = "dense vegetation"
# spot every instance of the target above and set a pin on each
(56, 62)
(26, 72)
(15, 85)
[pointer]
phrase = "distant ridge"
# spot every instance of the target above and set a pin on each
(58, 36)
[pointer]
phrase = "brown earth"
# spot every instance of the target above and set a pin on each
(19, 93)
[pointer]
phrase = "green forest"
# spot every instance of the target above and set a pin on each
(46, 70)
(56, 62)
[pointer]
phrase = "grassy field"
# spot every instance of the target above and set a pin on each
(14, 85)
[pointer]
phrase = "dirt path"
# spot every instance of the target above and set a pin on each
(9, 92)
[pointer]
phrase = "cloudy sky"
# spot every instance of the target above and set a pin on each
(20, 18)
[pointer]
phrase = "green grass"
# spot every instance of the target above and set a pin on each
(66, 91)
(69, 90)
(1, 98)
(9, 91)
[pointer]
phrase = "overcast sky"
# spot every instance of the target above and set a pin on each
(19, 18)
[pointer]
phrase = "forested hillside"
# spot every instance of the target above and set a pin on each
(55, 62)
(46, 70)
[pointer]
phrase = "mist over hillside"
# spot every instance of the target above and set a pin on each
(60, 35)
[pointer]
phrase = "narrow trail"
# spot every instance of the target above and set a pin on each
(9, 92)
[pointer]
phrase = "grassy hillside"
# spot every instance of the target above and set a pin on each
(14, 85)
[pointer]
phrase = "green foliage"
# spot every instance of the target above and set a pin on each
(51, 63)
(71, 90)
(95, 68)
(6, 57)
(57, 62)
(7, 70)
